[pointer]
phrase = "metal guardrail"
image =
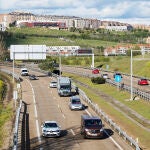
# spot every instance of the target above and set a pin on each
(142, 94)
(10, 73)
(15, 137)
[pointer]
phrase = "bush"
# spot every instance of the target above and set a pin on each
(98, 80)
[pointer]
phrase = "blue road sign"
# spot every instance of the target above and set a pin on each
(118, 78)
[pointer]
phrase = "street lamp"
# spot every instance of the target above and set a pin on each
(131, 74)
(59, 63)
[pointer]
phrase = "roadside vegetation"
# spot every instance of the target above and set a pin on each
(6, 114)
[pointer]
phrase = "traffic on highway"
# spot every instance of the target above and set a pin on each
(49, 123)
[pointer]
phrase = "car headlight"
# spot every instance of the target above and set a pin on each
(87, 130)
(101, 130)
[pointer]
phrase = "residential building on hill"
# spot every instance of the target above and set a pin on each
(70, 21)
(122, 50)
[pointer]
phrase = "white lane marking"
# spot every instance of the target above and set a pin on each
(88, 112)
(72, 131)
(58, 106)
(35, 112)
(63, 116)
(107, 134)
(38, 132)
(114, 141)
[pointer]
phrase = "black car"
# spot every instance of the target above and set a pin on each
(33, 77)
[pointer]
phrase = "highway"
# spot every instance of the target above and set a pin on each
(43, 103)
(87, 72)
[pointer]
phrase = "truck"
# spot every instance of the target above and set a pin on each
(64, 86)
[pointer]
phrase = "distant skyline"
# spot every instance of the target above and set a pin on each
(128, 11)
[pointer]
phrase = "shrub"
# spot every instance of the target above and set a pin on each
(98, 80)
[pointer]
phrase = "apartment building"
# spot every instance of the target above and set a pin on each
(5, 20)
(20, 15)
(141, 26)
(70, 21)
(122, 50)
(115, 26)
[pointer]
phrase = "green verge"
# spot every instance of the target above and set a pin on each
(119, 118)
(6, 115)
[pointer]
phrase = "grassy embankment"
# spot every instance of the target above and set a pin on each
(140, 106)
(54, 38)
(6, 113)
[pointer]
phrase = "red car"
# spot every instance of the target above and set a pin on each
(95, 71)
(143, 82)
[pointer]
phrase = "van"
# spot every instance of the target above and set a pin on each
(24, 72)
(91, 127)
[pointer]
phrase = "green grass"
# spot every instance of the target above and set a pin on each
(6, 114)
(140, 106)
(41, 31)
(49, 41)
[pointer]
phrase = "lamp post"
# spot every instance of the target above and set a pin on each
(93, 60)
(59, 63)
(131, 74)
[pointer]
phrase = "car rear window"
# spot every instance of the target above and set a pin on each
(48, 125)
(76, 101)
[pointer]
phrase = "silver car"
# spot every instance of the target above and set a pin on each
(50, 129)
(75, 103)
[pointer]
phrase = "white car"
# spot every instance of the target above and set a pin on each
(51, 129)
(53, 84)
(105, 76)
(24, 72)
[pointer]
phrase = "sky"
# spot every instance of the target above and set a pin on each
(129, 11)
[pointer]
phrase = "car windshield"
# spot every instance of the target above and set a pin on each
(93, 122)
(50, 125)
(143, 79)
(76, 101)
(53, 82)
(24, 70)
(32, 75)
(65, 86)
